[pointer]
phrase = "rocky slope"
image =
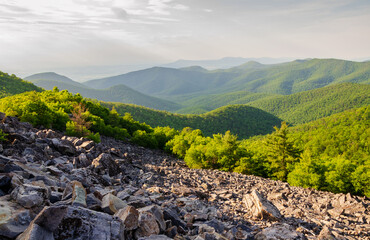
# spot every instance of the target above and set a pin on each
(58, 187)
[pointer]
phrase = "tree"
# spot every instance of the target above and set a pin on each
(79, 126)
(281, 153)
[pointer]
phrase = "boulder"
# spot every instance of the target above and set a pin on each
(171, 215)
(30, 196)
(129, 216)
(14, 219)
(157, 213)
(63, 146)
(69, 222)
(111, 204)
(78, 194)
(260, 207)
(279, 231)
(147, 225)
(106, 161)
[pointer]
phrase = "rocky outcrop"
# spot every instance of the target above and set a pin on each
(58, 187)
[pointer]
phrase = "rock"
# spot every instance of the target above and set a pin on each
(242, 232)
(64, 147)
(147, 225)
(111, 204)
(87, 145)
(123, 195)
(55, 197)
(129, 216)
(326, 234)
(30, 196)
(171, 215)
(14, 219)
(106, 161)
(157, 213)
(78, 194)
(171, 232)
(260, 207)
(217, 225)
(156, 237)
(83, 161)
(69, 222)
(35, 232)
(279, 231)
(5, 183)
(92, 201)
(55, 171)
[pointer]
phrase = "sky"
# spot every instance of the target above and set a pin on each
(47, 35)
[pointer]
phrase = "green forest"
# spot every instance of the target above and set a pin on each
(242, 120)
(11, 84)
(330, 154)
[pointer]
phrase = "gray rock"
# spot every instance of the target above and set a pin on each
(35, 232)
(92, 201)
(64, 147)
(30, 196)
(106, 161)
(280, 231)
(171, 215)
(83, 161)
(260, 207)
(69, 222)
(14, 219)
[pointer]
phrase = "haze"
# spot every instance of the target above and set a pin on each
(45, 35)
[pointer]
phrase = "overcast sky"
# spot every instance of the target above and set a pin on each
(42, 35)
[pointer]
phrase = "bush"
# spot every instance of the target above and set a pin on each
(3, 136)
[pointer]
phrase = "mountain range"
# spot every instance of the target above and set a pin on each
(197, 90)
(118, 93)
(284, 78)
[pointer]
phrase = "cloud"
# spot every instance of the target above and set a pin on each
(14, 8)
(120, 13)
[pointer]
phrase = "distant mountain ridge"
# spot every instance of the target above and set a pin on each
(284, 78)
(119, 93)
(223, 63)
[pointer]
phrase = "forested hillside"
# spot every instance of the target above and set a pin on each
(119, 93)
(311, 105)
(331, 154)
(295, 108)
(241, 120)
(334, 153)
(10, 85)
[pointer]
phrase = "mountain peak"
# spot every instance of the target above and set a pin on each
(48, 76)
